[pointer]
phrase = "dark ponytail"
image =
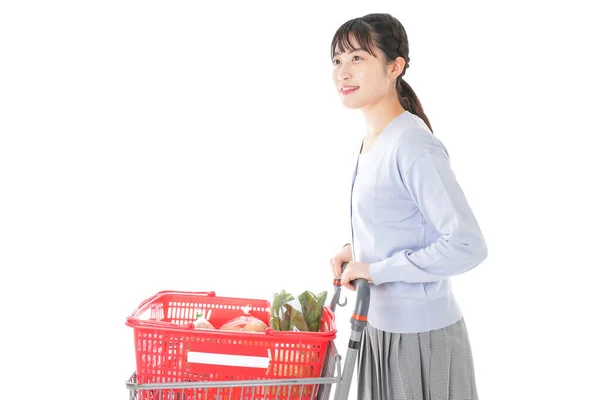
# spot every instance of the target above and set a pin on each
(388, 35)
(409, 100)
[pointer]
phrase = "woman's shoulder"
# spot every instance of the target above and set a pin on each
(412, 138)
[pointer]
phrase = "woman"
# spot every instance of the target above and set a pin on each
(412, 227)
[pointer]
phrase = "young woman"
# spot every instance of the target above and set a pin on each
(412, 227)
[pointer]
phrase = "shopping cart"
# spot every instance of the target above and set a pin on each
(166, 341)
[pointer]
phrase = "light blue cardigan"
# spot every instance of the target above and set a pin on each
(411, 222)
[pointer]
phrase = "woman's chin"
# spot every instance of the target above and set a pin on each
(352, 104)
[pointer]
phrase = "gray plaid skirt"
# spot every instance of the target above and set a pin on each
(434, 365)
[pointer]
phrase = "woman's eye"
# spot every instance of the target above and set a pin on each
(354, 58)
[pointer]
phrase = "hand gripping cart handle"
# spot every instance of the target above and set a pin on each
(163, 350)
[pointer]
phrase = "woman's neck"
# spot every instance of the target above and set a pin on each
(379, 115)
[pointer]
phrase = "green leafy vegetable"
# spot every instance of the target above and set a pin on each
(298, 321)
(280, 315)
(312, 308)
(284, 317)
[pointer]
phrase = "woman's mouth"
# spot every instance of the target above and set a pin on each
(346, 90)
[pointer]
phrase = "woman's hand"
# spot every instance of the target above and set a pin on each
(355, 270)
(345, 255)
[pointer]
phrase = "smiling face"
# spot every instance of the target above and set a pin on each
(360, 78)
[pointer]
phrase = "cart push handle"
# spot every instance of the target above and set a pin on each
(358, 323)
(363, 295)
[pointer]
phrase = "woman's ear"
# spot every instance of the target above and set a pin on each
(397, 67)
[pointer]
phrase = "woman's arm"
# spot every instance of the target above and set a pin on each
(461, 246)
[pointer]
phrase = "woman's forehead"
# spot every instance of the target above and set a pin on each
(348, 43)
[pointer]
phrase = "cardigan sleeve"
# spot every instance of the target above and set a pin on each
(461, 246)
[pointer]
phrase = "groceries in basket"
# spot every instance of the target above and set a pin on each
(202, 323)
(246, 323)
(286, 317)
(287, 314)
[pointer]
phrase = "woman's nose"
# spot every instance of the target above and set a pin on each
(343, 74)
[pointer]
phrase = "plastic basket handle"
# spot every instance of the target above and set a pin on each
(152, 298)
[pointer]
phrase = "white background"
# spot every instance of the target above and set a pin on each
(172, 145)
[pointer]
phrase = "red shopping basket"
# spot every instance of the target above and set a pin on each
(169, 349)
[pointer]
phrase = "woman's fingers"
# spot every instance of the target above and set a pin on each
(336, 266)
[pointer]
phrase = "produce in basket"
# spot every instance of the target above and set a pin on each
(285, 317)
(312, 308)
(245, 323)
(281, 311)
(202, 323)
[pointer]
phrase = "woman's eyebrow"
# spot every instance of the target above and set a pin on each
(337, 53)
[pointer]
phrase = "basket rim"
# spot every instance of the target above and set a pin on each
(134, 322)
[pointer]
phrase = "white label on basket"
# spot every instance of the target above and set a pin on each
(227, 359)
